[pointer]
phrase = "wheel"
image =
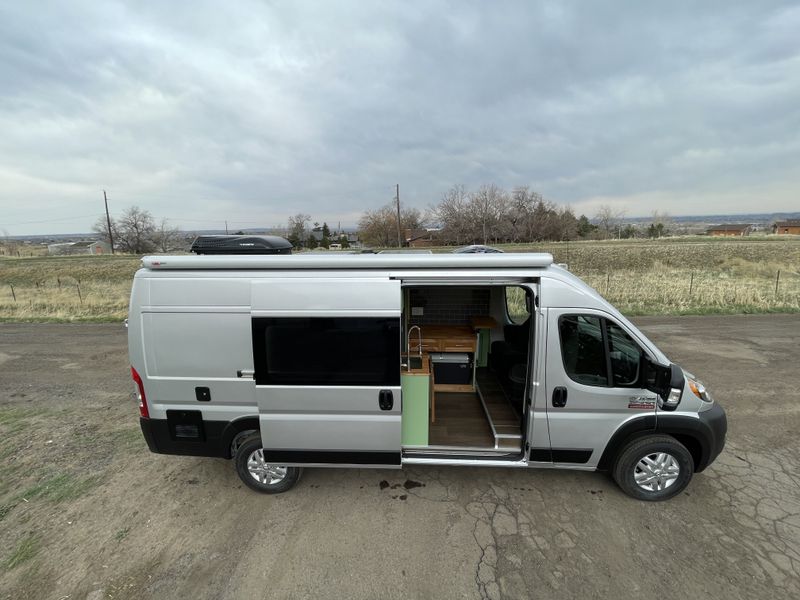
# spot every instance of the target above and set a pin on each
(259, 475)
(653, 468)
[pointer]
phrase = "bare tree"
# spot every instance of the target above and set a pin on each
(9, 245)
(485, 209)
(135, 231)
(378, 227)
(166, 238)
(297, 228)
(101, 226)
(451, 213)
(609, 219)
(490, 214)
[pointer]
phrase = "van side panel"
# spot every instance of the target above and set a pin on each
(187, 338)
(186, 351)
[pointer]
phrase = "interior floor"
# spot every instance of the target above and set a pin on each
(460, 421)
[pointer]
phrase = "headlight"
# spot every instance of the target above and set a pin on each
(699, 390)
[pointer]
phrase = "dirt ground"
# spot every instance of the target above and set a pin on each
(87, 512)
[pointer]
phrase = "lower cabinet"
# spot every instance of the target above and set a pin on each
(416, 403)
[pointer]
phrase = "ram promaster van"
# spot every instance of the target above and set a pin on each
(383, 360)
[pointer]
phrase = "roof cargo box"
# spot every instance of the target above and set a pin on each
(241, 244)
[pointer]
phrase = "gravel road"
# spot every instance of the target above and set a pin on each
(124, 523)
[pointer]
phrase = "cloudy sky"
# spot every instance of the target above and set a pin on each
(251, 111)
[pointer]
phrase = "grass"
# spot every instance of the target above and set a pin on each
(60, 488)
(686, 275)
(5, 509)
(25, 550)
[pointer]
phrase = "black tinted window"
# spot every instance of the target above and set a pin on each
(327, 351)
(583, 349)
(592, 346)
(625, 356)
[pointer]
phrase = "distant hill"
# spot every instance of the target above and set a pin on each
(693, 223)
(754, 218)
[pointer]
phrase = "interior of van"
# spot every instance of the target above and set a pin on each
(465, 362)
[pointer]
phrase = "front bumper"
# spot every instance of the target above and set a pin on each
(714, 422)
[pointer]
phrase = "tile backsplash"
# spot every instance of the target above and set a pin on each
(448, 305)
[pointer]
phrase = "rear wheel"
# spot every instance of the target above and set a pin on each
(260, 475)
(653, 468)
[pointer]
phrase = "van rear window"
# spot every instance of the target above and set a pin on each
(329, 351)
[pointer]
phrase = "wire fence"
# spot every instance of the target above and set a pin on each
(697, 291)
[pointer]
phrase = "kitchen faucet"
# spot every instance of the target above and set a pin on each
(419, 342)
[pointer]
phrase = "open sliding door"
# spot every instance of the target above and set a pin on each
(326, 355)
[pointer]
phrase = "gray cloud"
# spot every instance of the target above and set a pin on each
(255, 111)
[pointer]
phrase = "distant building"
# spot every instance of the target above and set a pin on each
(790, 227)
(730, 230)
(83, 247)
(421, 238)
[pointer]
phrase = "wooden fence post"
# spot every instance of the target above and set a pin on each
(608, 282)
(777, 280)
(691, 284)
(13, 295)
(78, 285)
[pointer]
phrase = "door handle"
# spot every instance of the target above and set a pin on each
(385, 399)
(560, 397)
(245, 373)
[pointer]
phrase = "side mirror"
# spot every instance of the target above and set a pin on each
(665, 380)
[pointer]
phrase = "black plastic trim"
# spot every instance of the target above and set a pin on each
(233, 428)
(161, 441)
(638, 426)
(541, 455)
(708, 429)
(571, 455)
(332, 457)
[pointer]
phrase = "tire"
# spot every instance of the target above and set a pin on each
(259, 476)
(662, 465)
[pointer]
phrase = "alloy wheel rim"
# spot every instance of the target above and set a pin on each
(264, 472)
(656, 472)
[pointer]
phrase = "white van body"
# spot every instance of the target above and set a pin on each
(217, 348)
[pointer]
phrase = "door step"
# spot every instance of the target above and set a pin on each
(502, 419)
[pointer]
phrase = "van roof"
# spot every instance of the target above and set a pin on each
(539, 260)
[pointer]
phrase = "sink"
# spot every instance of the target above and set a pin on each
(414, 362)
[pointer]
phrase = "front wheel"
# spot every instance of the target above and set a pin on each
(653, 468)
(260, 475)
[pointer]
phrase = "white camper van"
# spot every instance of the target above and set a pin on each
(499, 360)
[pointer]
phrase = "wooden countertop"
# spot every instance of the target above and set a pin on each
(444, 338)
(444, 331)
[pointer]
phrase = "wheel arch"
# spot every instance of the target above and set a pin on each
(689, 431)
(625, 433)
(234, 428)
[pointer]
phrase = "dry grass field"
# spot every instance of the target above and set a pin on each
(641, 277)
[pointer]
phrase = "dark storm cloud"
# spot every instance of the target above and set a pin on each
(252, 112)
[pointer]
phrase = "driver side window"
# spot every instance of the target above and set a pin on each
(596, 351)
(625, 356)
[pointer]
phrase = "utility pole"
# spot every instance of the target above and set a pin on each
(108, 222)
(397, 197)
(226, 228)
